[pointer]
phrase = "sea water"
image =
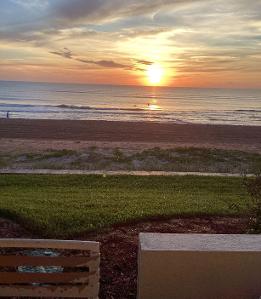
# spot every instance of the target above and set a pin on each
(130, 103)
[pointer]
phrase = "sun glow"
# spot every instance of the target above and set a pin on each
(155, 73)
(153, 107)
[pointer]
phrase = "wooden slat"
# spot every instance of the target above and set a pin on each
(94, 264)
(61, 291)
(66, 277)
(63, 261)
(49, 243)
(89, 280)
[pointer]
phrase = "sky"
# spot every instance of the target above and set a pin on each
(196, 43)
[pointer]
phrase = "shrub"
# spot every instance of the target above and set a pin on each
(253, 185)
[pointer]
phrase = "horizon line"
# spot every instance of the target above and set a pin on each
(133, 85)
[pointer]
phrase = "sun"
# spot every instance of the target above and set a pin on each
(155, 73)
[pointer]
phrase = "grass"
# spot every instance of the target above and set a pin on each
(64, 206)
(56, 154)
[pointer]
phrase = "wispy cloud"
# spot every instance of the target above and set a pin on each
(145, 62)
(104, 63)
(108, 10)
(66, 53)
(126, 36)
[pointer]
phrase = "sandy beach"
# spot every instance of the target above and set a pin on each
(75, 134)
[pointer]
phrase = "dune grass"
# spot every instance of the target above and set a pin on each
(67, 205)
(176, 159)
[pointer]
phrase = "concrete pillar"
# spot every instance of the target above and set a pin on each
(199, 266)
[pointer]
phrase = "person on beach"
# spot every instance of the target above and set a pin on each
(7, 114)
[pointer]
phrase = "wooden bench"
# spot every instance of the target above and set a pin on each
(77, 275)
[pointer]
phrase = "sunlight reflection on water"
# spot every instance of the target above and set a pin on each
(153, 107)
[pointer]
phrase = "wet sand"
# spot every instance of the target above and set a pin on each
(78, 134)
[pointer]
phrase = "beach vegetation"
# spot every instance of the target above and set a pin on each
(253, 185)
(92, 148)
(184, 159)
(3, 162)
(49, 154)
(119, 157)
(57, 154)
(28, 156)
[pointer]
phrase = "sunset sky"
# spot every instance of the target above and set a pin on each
(200, 43)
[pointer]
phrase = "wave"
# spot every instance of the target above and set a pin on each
(70, 91)
(8, 105)
(101, 108)
(67, 107)
(18, 98)
(75, 107)
(248, 110)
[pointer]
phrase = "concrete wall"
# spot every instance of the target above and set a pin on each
(197, 266)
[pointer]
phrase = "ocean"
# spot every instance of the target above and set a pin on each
(130, 103)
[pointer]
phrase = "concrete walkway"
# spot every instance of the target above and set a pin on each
(116, 172)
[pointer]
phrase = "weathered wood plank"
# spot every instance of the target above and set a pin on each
(63, 261)
(94, 264)
(50, 243)
(61, 291)
(66, 277)
(89, 279)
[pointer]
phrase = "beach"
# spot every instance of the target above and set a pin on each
(78, 134)
(125, 118)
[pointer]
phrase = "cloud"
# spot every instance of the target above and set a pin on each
(31, 4)
(103, 63)
(66, 53)
(188, 35)
(216, 62)
(145, 62)
(108, 10)
(144, 31)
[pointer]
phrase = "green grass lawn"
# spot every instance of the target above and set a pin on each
(66, 205)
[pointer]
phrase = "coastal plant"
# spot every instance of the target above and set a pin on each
(92, 156)
(118, 156)
(31, 156)
(3, 162)
(92, 148)
(57, 154)
(253, 185)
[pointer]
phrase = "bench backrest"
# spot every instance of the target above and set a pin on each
(75, 276)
